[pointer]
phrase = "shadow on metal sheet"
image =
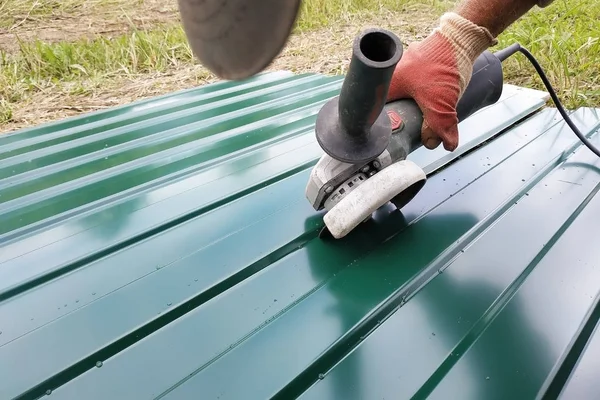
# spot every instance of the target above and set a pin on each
(357, 326)
(112, 220)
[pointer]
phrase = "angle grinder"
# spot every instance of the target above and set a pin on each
(366, 140)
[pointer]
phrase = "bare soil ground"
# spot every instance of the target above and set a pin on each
(323, 51)
(90, 19)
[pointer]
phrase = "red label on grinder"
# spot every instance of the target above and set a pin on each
(394, 119)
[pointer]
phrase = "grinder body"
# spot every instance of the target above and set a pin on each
(366, 140)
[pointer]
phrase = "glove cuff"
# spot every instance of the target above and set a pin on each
(468, 40)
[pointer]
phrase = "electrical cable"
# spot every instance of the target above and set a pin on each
(509, 51)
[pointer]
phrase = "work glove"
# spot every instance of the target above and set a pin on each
(435, 73)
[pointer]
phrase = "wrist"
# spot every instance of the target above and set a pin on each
(496, 15)
(468, 39)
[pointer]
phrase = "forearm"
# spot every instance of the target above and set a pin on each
(496, 15)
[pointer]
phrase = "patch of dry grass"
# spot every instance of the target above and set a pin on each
(14, 13)
(18, 14)
(52, 21)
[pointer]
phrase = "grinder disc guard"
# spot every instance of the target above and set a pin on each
(375, 192)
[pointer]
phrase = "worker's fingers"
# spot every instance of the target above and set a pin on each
(450, 138)
(440, 122)
(429, 138)
(440, 127)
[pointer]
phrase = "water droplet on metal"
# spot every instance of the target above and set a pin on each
(487, 378)
(76, 301)
(321, 376)
(93, 293)
(98, 364)
(274, 300)
(48, 392)
(169, 304)
(195, 280)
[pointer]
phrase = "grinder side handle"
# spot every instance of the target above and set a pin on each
(484, 89)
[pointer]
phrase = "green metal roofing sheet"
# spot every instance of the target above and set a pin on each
(165, 249)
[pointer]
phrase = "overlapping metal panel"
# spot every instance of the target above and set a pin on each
(165, 249)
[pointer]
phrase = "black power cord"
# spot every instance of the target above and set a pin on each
(509, 51)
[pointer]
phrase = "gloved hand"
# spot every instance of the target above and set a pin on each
(436, 72)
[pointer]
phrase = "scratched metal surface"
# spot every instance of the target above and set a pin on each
(165, 249)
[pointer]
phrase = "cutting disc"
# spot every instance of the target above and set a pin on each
(236, 39)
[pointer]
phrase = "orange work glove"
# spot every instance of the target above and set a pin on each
(435, 73)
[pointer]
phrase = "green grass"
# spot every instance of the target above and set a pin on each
(319, 13)
(136, 52)
(563, 37)
(40, 65)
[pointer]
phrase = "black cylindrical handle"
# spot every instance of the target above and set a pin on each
(352, 127)
(375, 54)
